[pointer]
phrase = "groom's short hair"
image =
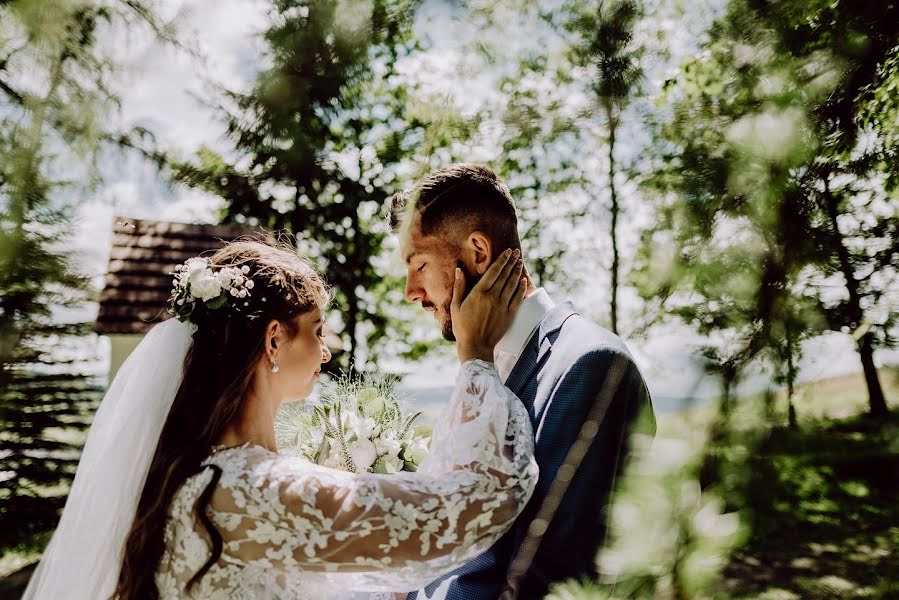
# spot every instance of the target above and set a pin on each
(458, 200)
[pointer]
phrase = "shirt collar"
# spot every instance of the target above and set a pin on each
(530, 313)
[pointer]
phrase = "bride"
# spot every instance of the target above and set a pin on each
(180, 491)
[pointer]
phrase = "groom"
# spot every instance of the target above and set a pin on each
(558, 362)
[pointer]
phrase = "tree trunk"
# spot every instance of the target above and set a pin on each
(876, 401)
(726, 391)
(352, 321)
(791, 380)
(612, 123)
(791, 409)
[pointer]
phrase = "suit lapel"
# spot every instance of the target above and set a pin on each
(549, 331)
(525, 367)
(536, 350)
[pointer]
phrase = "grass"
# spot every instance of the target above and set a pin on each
(815, 403)
(13, 572)
(825, 522)
(24, 553)
(820, 499)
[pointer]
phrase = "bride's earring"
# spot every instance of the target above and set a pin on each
(275, 368)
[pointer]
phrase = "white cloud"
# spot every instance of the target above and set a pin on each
(160, 89)
(164, 87)
(193, 206)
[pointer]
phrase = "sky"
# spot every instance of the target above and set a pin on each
(166, 90)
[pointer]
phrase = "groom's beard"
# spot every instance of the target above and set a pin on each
(446, 324)
(446, 327)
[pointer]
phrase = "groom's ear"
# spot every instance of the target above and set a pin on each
(479, 251)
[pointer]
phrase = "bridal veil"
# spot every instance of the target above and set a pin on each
(84, 557)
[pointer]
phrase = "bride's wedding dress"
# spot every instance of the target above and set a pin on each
(293, 529)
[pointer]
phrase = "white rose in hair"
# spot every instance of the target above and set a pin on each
(206, 288)
(195, 267)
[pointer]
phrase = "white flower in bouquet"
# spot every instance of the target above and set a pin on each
(416, 451)
(363, 453)
(358, 426)
(386, 443)
(334, 460)
(370, 401)
(388, 464)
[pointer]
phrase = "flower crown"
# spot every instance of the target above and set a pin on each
(198, 288)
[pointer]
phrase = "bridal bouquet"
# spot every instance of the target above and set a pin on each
(358, 426)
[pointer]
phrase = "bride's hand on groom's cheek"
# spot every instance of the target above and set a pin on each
(481, 320)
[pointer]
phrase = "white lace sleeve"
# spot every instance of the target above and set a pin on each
(385, 532)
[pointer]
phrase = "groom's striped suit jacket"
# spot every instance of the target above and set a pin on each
(559, 377)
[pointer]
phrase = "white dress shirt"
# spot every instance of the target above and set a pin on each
(530, 313)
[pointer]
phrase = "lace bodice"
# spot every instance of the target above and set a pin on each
(293, 529)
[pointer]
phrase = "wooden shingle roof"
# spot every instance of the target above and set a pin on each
(139, 275)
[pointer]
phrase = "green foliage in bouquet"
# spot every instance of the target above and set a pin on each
(359, 426)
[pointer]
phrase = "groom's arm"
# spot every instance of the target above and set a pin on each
(578, 528)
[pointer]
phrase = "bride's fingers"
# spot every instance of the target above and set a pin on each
(508, 270)
(518, 296)
(510, 287)
(458, 292)
(505, 274)
(493, 274)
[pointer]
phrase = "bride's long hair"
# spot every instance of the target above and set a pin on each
(218, 374)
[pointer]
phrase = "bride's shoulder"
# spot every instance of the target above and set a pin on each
(256, 464)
